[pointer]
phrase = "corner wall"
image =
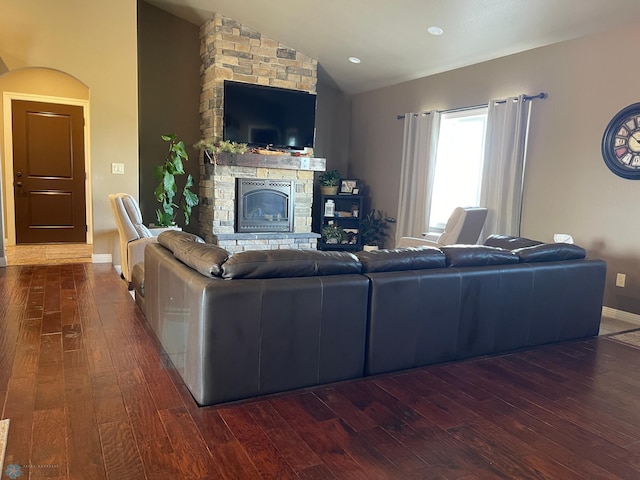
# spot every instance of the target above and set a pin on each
(168, 99)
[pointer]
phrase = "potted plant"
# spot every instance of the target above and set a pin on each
(332, 233)
(167, 189)
(373, 230)
(329, 181)
(211, 149)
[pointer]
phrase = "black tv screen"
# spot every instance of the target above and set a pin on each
(259, 116)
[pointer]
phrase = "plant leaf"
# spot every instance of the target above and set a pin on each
(169, 185)
(159, 192)
(158, 171)
(178, 148)
(178, 168)
(186, 208)
(189, 182)
(190, 198)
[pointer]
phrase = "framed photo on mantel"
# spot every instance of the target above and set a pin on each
(349, 187)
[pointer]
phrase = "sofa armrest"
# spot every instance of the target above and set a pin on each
(135, 254)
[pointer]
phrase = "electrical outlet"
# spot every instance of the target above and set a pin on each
(621, 279)
(117, 168)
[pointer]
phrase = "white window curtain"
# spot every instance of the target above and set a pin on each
(504, 163)
(416, 174)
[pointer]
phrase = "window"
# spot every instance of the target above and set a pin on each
(459, 162)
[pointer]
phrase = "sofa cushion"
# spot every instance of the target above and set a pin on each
(205, 258)
(289, 263)
(170, 239)
(398, 259)
(550, 252)
(509, 243)
(477, 256)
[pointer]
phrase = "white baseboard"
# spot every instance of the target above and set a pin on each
(101, 258)
(3, 262)
(621, 315)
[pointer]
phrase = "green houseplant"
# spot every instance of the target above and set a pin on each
(213, 148)
(373, 229)
(329, 181)
(332, 233)
(167, 189)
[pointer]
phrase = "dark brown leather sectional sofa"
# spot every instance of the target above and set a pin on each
(262, 322)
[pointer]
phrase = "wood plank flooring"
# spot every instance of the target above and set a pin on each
(90, 397)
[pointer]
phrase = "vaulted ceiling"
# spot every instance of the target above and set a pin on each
(390, 36)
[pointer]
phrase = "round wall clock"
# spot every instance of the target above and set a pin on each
(621, 143)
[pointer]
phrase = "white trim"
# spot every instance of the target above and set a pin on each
(3, 262)
(7, 181)
(621, 315)
(101, 258)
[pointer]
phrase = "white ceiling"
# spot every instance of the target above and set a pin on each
(391, 39)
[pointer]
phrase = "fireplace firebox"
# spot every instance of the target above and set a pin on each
(264, 205)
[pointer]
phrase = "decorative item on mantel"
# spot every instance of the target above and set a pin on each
(329, 181)
(211, 149)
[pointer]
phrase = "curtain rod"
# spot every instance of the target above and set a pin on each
(462, 109)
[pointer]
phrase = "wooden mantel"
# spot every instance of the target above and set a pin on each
(285, 162)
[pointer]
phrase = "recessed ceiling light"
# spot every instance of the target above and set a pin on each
(435, 30)
(354, 59)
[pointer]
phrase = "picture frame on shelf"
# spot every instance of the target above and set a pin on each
(348, 185)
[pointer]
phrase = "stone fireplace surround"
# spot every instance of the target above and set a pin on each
(223, 176)
(233, 51)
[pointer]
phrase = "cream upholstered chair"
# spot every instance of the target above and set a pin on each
(134, 236)
(463, 227)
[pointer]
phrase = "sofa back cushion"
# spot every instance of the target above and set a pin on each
(477, 256)
(289, 263)
(170, 239)
(550, 252)
(191, 250)
(399, 259)
(509, 243)
(205, 258)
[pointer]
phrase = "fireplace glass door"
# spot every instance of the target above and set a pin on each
(264, 205)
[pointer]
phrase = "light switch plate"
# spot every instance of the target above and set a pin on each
(117, 168)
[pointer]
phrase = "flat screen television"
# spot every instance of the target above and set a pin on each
(260, 116)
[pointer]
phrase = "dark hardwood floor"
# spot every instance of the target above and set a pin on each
(90, 397)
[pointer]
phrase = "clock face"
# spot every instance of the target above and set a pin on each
(621, 143)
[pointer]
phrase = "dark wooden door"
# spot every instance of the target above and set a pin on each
(48, 172)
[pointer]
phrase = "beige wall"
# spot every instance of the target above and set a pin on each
(568, 188)
(95, 42)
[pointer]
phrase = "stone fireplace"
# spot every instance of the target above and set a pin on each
(224, 176)
(232, 51)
